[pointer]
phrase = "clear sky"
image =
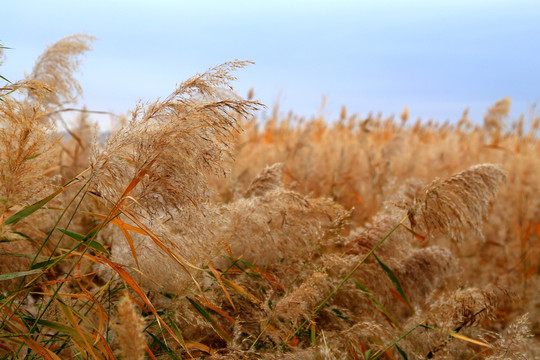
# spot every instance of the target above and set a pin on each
(436, 57)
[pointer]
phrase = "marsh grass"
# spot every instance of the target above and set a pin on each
(195, 231)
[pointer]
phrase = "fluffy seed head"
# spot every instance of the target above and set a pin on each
(129, 328)
(458, 203)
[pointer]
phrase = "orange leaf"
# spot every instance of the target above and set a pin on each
(199, 346)
(418, 237)
(118, 222)
(232, 257)
(400, 298)
(213, 307)
(294, 341)
(118, 268)
(218, 278)
(239, 289)
(270, 278)
(130, 242)
(40, 350)
(75, 324)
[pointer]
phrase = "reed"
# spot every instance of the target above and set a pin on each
(198, 230)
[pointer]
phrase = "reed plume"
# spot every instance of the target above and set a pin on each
(493, 120)
(513, 342)
(267, 180)
(338, 250)
(458, 203)
(129, 327)
(171, 145)
(27, 144)
(56, 67)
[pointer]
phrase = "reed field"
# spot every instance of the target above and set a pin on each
(199, 228)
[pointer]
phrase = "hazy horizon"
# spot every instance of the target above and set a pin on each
(435, 58)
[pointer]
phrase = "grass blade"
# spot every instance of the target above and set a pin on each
(419, 237)
(40, 350)
(219, 330)
(379, 353)
(240, 290)
(465, 338)
(394, 280)
(218, 278)
(15, 218)
(84, 238)
(14, 275)
(164, 347)
(46, 263)
(1, 77)
(376, 302)
(118, 268)
(401, 352)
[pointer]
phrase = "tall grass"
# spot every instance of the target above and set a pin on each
(197, 231)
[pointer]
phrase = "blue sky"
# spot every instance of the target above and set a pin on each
(435, 57)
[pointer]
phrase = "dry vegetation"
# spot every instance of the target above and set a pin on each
(197, 230)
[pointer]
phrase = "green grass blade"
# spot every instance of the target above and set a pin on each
(30, 209)
(177, 332)
(43, 264)
(61, 328)
(83, 238)
(14, 275)
(72, 234)
(401, 352)
(395, 342)
(348, 276)
(3, 78)
(164, 347)
(210, 319)
(394, 280)
(376, 302)
(36, 206)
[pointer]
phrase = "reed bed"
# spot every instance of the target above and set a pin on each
(198, 229)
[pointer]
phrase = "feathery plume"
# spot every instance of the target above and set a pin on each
(404, 115)
(513, 343)
(129, 328)
(170, 146)
(26, 146)
(493, 120)
(55, 69)
(459, 202)
(266, 180)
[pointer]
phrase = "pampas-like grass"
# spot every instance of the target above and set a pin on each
(424, 271)
(513, 344)
(289, 225)
(55, 69)
(129, 327)
(458, 203)
(26, 149)
(271, 261)
(493, 120)
(171, 145)
(303, 300)
(269, 179)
